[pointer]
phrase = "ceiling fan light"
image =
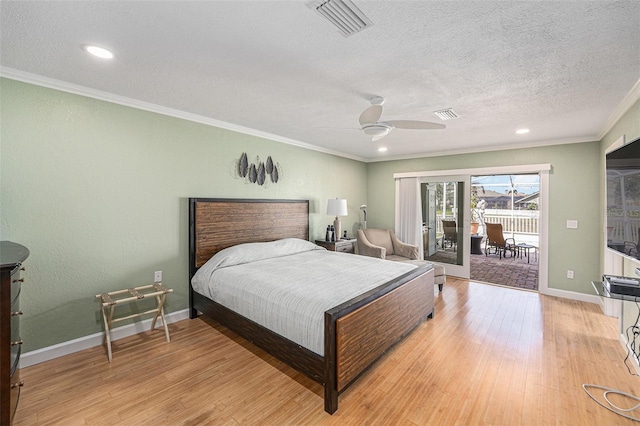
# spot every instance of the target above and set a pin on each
(376, 130)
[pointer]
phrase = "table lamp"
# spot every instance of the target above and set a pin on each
(337, 207)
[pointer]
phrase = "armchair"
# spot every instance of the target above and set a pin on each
(383, 244)
(495, 239)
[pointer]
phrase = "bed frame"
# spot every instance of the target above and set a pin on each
(357, 332)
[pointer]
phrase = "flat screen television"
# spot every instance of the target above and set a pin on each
(623, 199)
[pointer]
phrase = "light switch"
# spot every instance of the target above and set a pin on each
(572, 224)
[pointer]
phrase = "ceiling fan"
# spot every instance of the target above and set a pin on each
(379, 129)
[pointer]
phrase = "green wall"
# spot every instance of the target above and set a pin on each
(574, 184)
(99, 194)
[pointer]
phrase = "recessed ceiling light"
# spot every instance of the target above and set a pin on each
(99, 52)
(382, 149)
(522, 131)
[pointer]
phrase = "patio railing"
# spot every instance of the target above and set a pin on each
(516, 224)
(522, 221)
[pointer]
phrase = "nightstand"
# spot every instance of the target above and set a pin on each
(344, 246)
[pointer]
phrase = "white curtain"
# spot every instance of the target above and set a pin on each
(409, 212)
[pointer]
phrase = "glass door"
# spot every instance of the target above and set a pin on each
(446, 220)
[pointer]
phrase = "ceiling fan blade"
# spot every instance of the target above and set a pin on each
(414, 124)
(371, 114)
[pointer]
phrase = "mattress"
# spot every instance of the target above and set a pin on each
(287, 285)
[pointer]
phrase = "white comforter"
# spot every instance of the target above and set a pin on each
(287, 285)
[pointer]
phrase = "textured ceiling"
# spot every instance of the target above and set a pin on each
(560, 68)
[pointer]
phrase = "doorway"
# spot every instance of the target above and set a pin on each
(444, 212)
(509, 202)
(464, 175)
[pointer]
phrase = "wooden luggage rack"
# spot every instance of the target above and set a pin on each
(112, 299)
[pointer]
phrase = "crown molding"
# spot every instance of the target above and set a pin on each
(75, 89)
(523, 145)
(627, 102)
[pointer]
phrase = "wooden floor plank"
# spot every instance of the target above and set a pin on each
(490, 356)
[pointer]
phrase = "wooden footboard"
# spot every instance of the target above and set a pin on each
(359, 332)
(365, 334)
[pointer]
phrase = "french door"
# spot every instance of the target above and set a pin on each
(432, 235)
(446, 220)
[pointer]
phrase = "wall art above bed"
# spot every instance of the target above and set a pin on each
(258, 172)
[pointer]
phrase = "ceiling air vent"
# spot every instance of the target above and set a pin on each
(343, 14)
(446, 114)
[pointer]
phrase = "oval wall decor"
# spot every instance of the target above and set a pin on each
(269, 165)
(253, 173)
(258, 171)
(261, 174)
(243, 165)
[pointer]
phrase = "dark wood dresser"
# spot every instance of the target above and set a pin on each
(12, 256)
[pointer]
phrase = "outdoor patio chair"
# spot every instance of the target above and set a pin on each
(495, 239)
(450, 233)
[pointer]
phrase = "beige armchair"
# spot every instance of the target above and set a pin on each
(383, 244)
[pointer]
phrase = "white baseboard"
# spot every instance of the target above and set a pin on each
(565, 294)
(65, 348)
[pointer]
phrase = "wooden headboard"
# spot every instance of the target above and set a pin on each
(218, 223)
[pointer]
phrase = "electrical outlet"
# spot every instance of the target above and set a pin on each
(157, 277)
(570, 274)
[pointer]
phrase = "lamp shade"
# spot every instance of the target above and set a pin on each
(336, 207)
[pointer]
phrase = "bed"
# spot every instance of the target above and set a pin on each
(354, 332)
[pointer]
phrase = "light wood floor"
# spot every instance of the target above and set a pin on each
(490, 356)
